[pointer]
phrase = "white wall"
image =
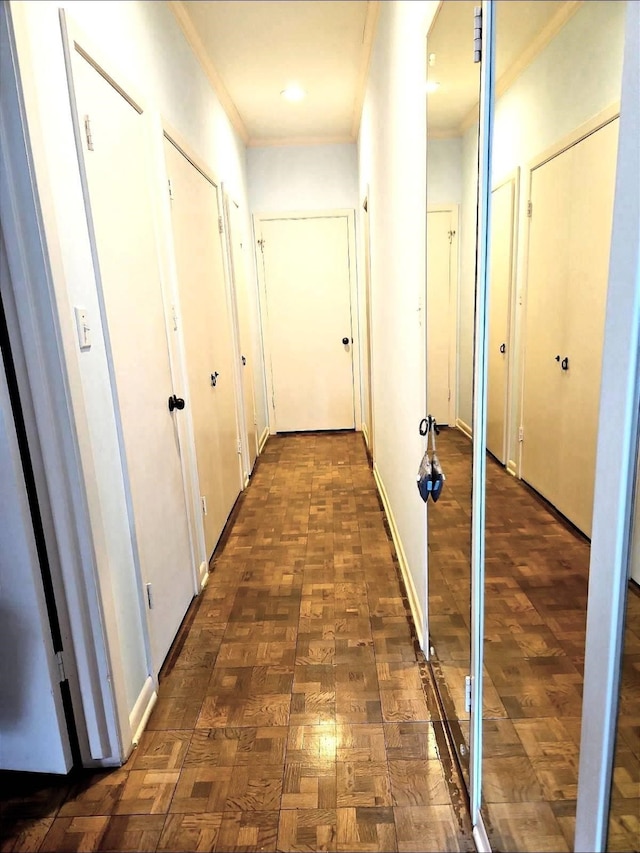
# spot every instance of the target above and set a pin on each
(302, 177)
(392, 161)
(577, 75)
(444, 170)
(144, 42)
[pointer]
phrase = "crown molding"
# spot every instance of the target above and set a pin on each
(191, 34)
(272, 142)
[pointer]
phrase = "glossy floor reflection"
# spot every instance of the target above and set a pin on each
(537, 569)
(294, 712)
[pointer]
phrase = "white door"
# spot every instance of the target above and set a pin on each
(544, 324)
(307, 283)
(239, 274)
(33, 728)
(127, 258)
(440, 304)
(206, 324)
(592, 192)
(501, 269)
(569, 242)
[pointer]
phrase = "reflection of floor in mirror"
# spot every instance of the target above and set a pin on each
(535, 612)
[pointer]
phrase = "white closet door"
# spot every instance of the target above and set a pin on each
(570, 237)
(206, 324)
(592, 191)
(501, 267)
(238, 261)
(439, 306)
(544, 325)
(122, 217)
(33, 728)
(306, 267)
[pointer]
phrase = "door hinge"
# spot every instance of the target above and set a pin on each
(467, 694)
(150, 596)
(451, 235)
(203, 501)
(261, 244)
(62, 675)
(521, 434)
(477, 34)
(220, 225)
(87, 133)
(529, 208)
(239, 446)
(174, 317)
(170, 190)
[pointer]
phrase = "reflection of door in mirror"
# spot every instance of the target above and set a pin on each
(453, 89)
(558, 83)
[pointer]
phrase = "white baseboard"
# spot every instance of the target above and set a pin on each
(263, 440)
(365, 433)
(204, 575)
(463, 427)
(414, 604)
(480, 837)
(139, 716)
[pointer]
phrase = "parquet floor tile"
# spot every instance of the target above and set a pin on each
(294, 712)
(24, 836)
(536, 583)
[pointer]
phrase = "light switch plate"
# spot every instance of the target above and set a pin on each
(83, 327)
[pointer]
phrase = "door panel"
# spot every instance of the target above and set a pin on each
(544, 324)
(306, 266)
(131, 288)
(244, 330)
(439, 314)
(32, 721)
(501, 266)
(206, 323)
(593, 184)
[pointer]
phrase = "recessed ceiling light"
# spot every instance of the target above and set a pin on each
(293, 93)
(432, 86)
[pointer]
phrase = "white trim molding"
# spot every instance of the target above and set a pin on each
(414, 601)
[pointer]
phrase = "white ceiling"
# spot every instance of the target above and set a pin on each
(252, 49)
(258, 47)
(519, 24)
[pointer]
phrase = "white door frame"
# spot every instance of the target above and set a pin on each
(53, 385)
(349, 214)
(579, 133)
(454, 297)
(368, 422)
(227, 201)
(511, 177)
(618, 431)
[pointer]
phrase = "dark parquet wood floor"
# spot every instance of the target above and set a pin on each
(535, 615)
(294, 712)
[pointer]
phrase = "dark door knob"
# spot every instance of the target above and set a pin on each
(503, 348)
(565, 363)
(345, 341)
(175, 403)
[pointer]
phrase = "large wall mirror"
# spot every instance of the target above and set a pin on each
(558, 71)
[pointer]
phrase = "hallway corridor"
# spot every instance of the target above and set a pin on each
(293, 711)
